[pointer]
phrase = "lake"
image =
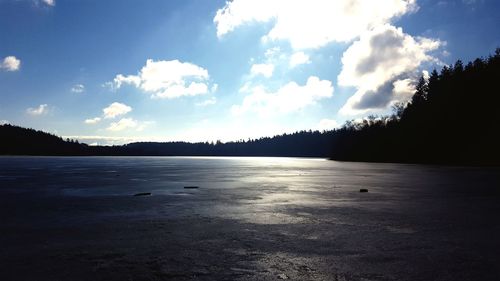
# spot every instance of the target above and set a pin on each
(75, 218)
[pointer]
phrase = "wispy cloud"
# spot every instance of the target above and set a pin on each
(327, 125)
(123, 124)
(92, 121)
(51, 3)
(127, 124)
(290, 97)
(471, 2)
(210, 101)
(78, 88)
(37, 111)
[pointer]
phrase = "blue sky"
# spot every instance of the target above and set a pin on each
(111, 72)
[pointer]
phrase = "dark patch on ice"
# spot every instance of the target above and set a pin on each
(143, 194)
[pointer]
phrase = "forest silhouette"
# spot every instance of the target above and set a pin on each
(451, 119)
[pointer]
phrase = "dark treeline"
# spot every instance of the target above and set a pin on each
(453, 118)
(15, 140)
(299, 144)
(20, 141)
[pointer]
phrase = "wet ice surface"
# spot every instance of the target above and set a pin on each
(250, 219)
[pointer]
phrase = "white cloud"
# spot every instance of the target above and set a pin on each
(403, 89)
(123, 124)
(263, 69)
(426, 75)
(210, 101)
(10, 63)
(311, 23)
(168, 79)
(40, 110)
(383, 53)
(299, 58)
(288, 98)
(130, 79)
(4, 122)
(116, 109)
(238, 12)
(383, 65)
(93, 121)
(327, 125)
(51, 3)
(78, 88)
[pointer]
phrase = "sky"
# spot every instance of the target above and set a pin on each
(119, 71)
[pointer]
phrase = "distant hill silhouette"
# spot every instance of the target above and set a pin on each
(453, 118)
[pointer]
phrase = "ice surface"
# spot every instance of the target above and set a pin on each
(75, 218)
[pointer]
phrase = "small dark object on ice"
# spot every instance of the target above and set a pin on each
(143, 194)
(190, 187)
(363, 190)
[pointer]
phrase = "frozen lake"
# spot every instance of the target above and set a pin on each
(75, 218)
